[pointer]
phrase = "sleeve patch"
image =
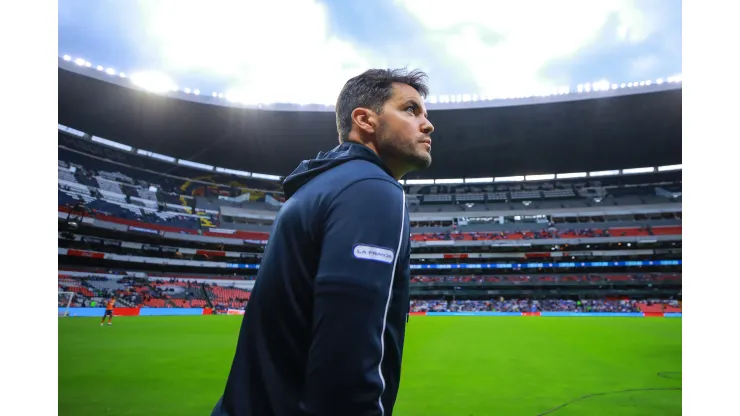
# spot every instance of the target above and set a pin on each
(368, 252)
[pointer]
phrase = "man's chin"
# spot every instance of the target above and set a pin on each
(422, 161)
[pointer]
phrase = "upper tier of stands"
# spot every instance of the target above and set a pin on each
(119, 173)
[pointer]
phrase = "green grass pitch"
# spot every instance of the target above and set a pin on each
(453, 366)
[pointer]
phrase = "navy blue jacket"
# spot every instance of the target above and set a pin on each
(324, 328)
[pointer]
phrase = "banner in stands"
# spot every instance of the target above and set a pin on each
(98, 312)
(170, 311)
(235, 312)
(541, 265)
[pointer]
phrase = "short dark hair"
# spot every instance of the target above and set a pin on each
(372, 89)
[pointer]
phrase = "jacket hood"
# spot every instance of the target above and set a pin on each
(345, 152)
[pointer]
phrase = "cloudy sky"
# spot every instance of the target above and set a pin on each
(303, 51)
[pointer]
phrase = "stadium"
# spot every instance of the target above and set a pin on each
(546, 245)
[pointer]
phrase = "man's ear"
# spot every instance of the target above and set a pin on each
(365, 119)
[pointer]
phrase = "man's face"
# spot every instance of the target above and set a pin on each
(404, 140)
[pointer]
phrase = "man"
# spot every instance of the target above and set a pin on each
(109, 310)
(324, 328)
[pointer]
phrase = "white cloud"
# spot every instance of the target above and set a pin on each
(532, 34)
(273, 51)
(643, 67)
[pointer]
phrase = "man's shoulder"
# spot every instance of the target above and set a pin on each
(353, 173)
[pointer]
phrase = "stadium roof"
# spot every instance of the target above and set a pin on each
(585, 135)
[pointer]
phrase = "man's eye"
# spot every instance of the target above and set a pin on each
(410, 109)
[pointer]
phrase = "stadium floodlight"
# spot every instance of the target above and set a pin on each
(629, 85)
(111, 143)
(637, 170)
(122, 75)
(186, 90)
(648, 82)
(669, 168)
(155, 155)
(509, 179)
(448, 181)
(88, 64)
(196, 92)
(80, 61)
(266, 176)
(478, 180)
(66, 57)
(622, 85)
(419, 181)
(603, 173)
(659, 81)
(110, 71)
(543, 177)
(99, 67)
(153, 81)
(615, 86)
(194, 164)
(233, 172)
(214, 95)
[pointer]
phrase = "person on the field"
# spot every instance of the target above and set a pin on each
(323, 331)
(109, 311)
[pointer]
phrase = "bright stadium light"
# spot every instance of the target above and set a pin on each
(543, 177)
(622, 85)
(122, 75)
(571, 175)
(220, 95)
(196, 92)
(637, 170)
(187, 90)
(153, 81)
(88, 64)
(214, 95)
(110, 71)
(447, 181)
(603, 173)
(99, 68)
(420, 182)
(478, 180)
(669, 168)
(80, 61)
(509, 179)
(67, 57)
(659, 81)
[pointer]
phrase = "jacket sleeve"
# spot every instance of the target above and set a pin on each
(363, 232)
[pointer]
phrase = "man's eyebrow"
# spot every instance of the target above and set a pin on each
(413, 102)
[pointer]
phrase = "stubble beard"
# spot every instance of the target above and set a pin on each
(405, 153)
